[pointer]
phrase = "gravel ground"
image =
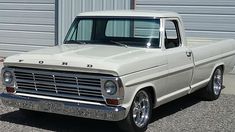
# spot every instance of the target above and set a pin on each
(188, 114)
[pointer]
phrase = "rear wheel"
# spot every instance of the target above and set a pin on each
(140, 113)
(213, 89)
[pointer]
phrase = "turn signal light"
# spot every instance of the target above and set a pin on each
(112, 101)
(10, 89)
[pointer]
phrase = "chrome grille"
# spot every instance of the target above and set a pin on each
(59, 84)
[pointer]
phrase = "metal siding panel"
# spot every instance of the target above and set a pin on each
(221, 19)
(209, 27)
(69, 9)
(209, 34)
(208, 18)
(5, 53)
(25, 41)
(216, 23)
(26, 25)
(26, 34)
(187, 2)
(28, 14)
(192, 9)
(27, 7)
(19, 47)
(29, 1)
(30, 21)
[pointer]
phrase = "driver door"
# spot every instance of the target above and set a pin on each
(180, 62)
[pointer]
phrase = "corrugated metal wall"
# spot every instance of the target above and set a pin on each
(26, 25)
(68, 9)
(208, 18)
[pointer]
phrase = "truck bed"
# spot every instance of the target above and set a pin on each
(206, 50)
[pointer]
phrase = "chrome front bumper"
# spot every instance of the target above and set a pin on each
(92, 111)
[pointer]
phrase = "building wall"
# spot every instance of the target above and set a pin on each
(31, 24)
(26, 25)
(208, 18)
(69, 9)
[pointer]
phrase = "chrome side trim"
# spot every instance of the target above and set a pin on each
(92, 111)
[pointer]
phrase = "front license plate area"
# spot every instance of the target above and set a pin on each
(49, 106)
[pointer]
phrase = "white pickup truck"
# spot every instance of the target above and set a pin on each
(118, 66)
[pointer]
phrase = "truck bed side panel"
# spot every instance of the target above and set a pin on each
(208, 57)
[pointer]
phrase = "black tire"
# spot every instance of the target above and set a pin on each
(209, 92)
(128, 124)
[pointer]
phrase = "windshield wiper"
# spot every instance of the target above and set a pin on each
(74, 41)
(118, 43)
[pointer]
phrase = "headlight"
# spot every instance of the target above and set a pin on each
(110, 87)
(7, 77)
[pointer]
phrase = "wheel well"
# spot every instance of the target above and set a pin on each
(219, 66)
(222, 66)
(151, 91)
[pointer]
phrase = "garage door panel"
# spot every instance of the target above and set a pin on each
(5, 53)
(221, 19)
(221, 10)
(209, 27)
(28, 7)
(33, 21)
(29, 1)
(26, 41)
(25, 34)
(21, 48)
(25, 27)
(26, 24)
(187, 2)
(27, 14)
(210, 34)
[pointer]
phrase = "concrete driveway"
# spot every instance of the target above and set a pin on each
(187, 114)
(229, 83)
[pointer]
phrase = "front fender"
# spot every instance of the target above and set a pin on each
(131, 91)
(157, 85)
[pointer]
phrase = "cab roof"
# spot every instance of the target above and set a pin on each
(130, 13)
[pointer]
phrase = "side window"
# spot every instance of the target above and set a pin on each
(172, 34)
(146, 29)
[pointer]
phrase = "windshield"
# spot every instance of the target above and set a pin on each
(115, 31)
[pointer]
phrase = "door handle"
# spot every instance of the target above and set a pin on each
(189, 53)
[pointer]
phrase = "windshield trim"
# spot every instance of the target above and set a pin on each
(117, 17)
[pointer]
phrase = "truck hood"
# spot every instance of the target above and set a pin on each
(114, 60)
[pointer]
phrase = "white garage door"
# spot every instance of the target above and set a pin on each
(208, 18)
(26, 25)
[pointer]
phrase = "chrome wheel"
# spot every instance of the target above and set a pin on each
(141, 109)
(217, 81)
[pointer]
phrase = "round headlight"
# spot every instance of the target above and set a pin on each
(110, 87)
(7, 77)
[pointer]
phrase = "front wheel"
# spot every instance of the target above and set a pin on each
(140, 113)
(213, 89)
